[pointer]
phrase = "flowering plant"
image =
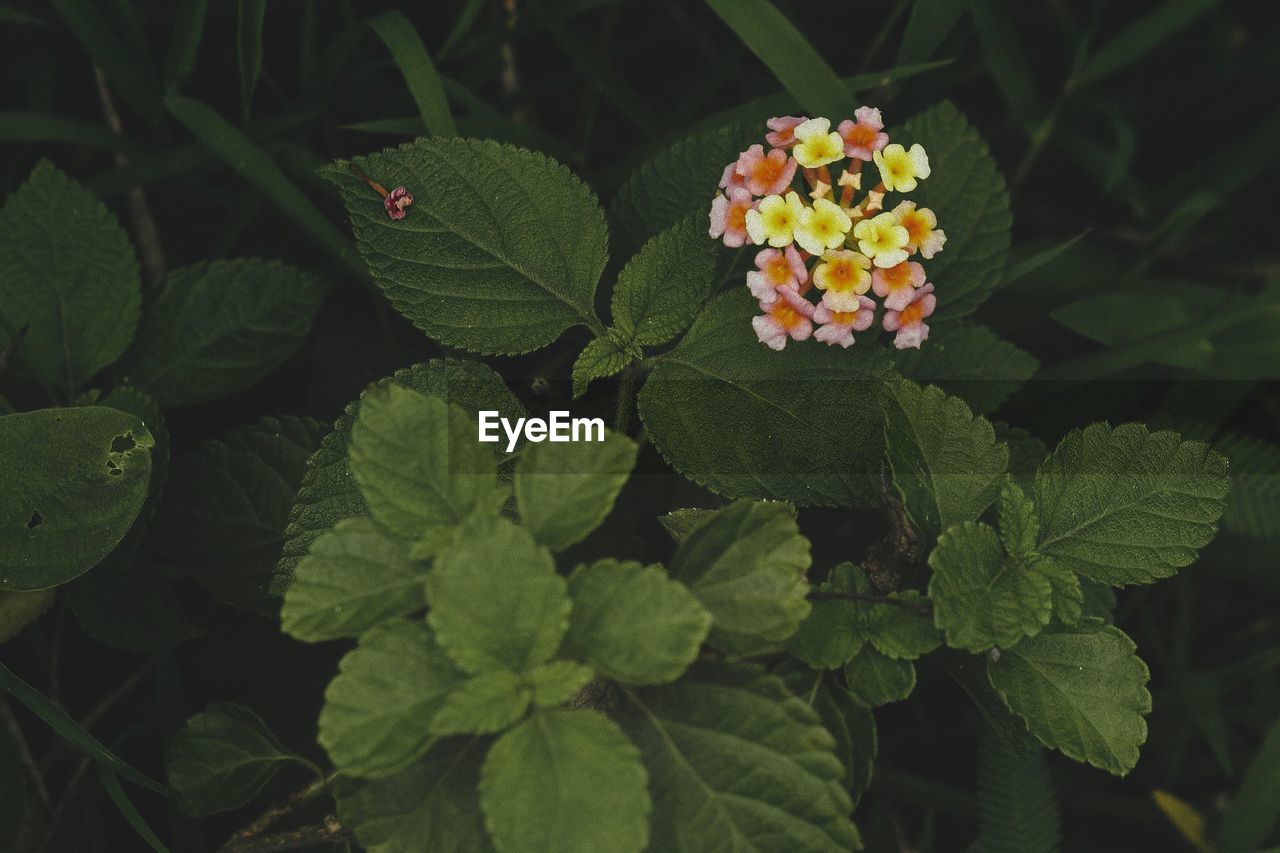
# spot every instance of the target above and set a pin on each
(824, 233)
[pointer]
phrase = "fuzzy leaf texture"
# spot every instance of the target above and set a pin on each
(946, 463)
(634, 624)
(1017, 812)
(745, 421)
(496, 600)
(660, 289)
(982, 598)
(224, 514)
(737, 763)
(1125, 506)
(746, 565)
(1080, 690)
(68, 276)
(500, 252)
(565, 782)
(968, 194)
(419, 465)
(329, 493)
(564, 490)
(355, 577)
(483, 704)
(431, 805)
(876, 679)
(378, 710)
(75, 480)
(604, 356)
(222, 758)
(216, 328)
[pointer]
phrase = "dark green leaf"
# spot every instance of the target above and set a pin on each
(876, 679)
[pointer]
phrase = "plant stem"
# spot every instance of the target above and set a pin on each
(922, 607)
(244, 839)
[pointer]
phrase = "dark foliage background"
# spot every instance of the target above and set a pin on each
(1163, 156)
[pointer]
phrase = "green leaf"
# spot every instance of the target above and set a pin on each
(565, 489)
(222, 758)
(745, 421)
(632, 623)
(738, 763)
(968, 194)
(788, 55)
(329, 493)
(902, 632)
(557, 682)
(835, 629)
(930, 23)
(1253, 811)
(1017, 812)
(419, 465)
(355, 577)
(1253, 504)
(1125, 506)
(1080, 690)
(681, 522)
(981, 598)
(746, 565)
(946, 463)
(568, 782)
(662, 287)
(496, 600)
(378, 710)
(244, 156)
(1026, 452)
(430, 805)
(603, 356)
(224, 513)
(970, 362)
(184, 41)
(74, 482)
(487, 703)
(1019, 524)
(677, 183)
(68, 276)
(216, 328)
(116, 793)
(249, 16)
(1124, 317)
(876, 679)
(20, 609)
(420, 74)
(500, 252)
(1068, 594)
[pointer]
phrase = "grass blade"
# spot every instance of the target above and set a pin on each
(462, 26)
(1007, 62)
(127, 73)
(111, 784)
(184, 41)
(1141, 37)
(67, 728)
(39, 127)
(249, 18)
(930, 23)
(1026, 266)
(801, 69)
(238, 151)
(411, 57)
(1255, 808)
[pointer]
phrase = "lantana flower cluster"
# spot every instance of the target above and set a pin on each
(802, 201)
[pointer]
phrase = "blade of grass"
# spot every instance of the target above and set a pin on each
(1007, 62)
(184, 41)
(793, 60)
(39, 127)
(1255, 808)
(249, 18)
(111, 784)
(238, 151)
(462, 26)
(1026, 266)
(67, 728)
(1141, 37)
(930, 23)
(127, 72)
(411, 57)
